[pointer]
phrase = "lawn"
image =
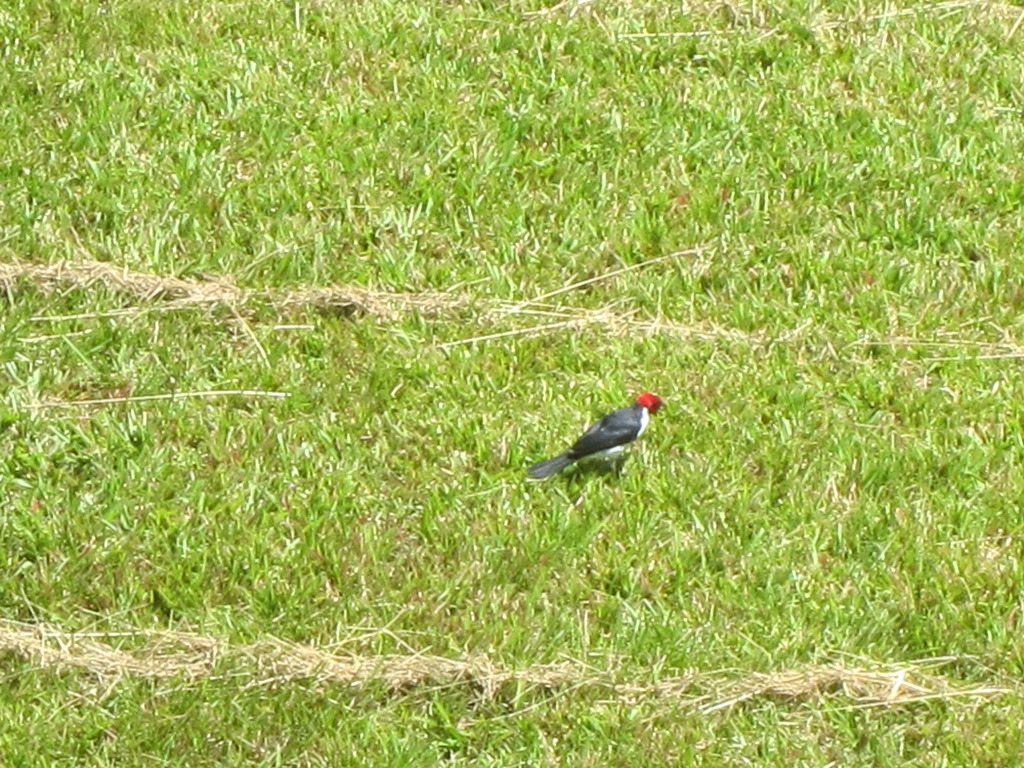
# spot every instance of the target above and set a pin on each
(293, 294)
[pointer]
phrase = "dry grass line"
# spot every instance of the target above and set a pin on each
(167, 655)
(611, 323)
(176, 292)
(382, 304)
(140, 285)
(171, 293)
(530, 317)
(864, 688)
(282, 662)
(170, 654)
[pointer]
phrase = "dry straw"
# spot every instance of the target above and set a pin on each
(174, 292)
(501, 319)
(187, 657)
(533, 316)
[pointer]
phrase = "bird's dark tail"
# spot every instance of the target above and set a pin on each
(546, 469)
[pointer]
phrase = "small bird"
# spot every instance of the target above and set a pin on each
(606, 438)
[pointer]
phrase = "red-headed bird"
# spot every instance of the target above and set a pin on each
(606, 439)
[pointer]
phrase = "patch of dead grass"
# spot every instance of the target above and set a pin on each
(499, 319)
(190, 657)
(175, 292)
(531, 317)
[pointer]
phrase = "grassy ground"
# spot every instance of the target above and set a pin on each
(799, 224)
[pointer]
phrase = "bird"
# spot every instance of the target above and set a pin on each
(604, 440)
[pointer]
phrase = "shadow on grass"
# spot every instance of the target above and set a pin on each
(582, 471)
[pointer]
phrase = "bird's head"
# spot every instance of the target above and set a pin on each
(650, 401)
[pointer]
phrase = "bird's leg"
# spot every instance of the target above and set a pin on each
(619, 463)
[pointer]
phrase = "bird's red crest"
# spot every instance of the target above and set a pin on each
(650, 401)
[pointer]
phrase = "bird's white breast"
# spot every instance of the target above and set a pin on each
(645, 418)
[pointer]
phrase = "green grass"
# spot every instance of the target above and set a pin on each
(837, 475)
